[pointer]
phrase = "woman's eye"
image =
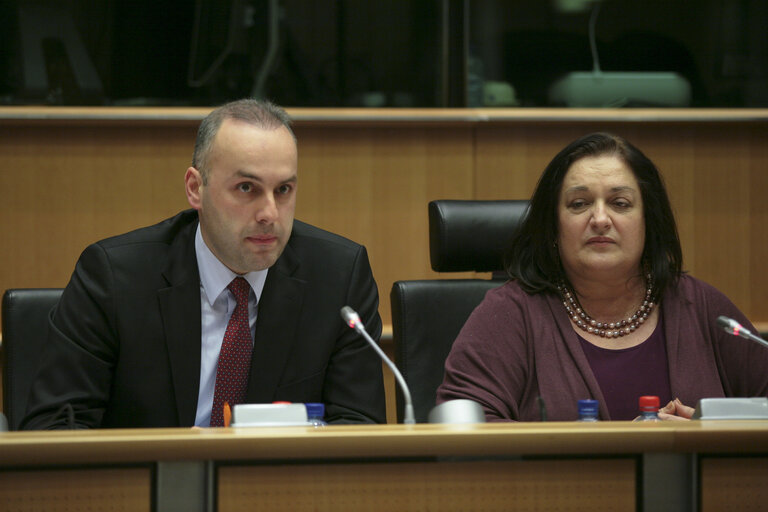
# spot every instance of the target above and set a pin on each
(577, 204)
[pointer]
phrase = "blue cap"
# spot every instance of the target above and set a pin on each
(315, 410)
(588, 407)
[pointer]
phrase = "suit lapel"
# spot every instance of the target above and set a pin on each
(180, 310)
(276, 327)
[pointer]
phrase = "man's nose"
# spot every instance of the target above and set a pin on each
(267, 212)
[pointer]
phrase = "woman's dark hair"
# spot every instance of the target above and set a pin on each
(533, 259)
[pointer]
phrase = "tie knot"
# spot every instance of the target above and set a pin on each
(240, 288)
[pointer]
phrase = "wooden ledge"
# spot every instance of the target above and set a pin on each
(301, 115)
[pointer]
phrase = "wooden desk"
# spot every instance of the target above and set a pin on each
(526, 466)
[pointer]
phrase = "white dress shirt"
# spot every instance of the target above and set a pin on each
(216, 306)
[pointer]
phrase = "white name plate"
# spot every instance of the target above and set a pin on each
(732, 409)
(269, 415)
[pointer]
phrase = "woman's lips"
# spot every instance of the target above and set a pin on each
(600, 240)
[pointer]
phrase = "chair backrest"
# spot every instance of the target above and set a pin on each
(472, 235)
(427, 315)
(25, 330)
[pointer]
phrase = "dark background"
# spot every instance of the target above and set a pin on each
(397, 53)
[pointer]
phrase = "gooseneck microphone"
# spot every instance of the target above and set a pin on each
(731, 326)
(352, 319)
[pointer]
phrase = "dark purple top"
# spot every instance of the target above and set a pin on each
(626, 374)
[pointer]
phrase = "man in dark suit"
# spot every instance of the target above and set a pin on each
(136, 338)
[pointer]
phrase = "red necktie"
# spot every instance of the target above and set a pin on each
(235, 355)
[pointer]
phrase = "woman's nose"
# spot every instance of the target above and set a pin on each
(600, 218)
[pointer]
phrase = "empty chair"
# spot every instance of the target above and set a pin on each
(25, 330)
(427, 315)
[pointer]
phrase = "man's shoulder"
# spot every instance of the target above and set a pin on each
(307, 235)
(164, 232)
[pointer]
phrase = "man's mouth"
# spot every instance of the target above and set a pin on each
(262, 239)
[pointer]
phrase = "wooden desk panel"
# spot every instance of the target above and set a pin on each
(726, 481)
(564, 485)
(68, 490)
(540, 464)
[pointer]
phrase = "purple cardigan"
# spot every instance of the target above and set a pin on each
(516, 347)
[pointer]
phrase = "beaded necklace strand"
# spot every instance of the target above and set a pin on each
(606, 329)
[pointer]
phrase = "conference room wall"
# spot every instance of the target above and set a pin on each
(716, 175)
(64, 185)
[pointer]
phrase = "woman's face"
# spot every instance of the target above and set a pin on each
(601, 227)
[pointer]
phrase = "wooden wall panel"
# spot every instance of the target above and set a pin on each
(757, 238)
(66, 184)
(716, 176)
(510, 158)
(372, 185)
(63, 187)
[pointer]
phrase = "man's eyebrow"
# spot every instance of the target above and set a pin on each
(250, 176)
(254, 177)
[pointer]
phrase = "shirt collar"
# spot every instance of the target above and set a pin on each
(215, 276)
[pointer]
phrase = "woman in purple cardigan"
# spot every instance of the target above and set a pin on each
(598, 305)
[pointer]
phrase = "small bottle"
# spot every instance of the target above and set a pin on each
(588, 410)
(649, 408)
(316, 414)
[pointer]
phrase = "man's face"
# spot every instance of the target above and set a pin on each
(246, 209)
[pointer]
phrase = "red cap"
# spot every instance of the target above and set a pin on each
(649, 403)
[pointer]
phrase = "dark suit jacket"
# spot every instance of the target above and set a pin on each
(124, 341)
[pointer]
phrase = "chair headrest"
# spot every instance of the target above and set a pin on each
(468, 235)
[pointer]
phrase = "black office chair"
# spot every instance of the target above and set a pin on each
(25, 330)
(427, 315)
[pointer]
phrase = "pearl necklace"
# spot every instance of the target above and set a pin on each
(606, 329)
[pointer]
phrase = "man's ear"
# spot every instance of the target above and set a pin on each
(193, 185)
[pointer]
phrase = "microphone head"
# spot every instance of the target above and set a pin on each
(725, 323)
(733, 327)
(350, 317)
